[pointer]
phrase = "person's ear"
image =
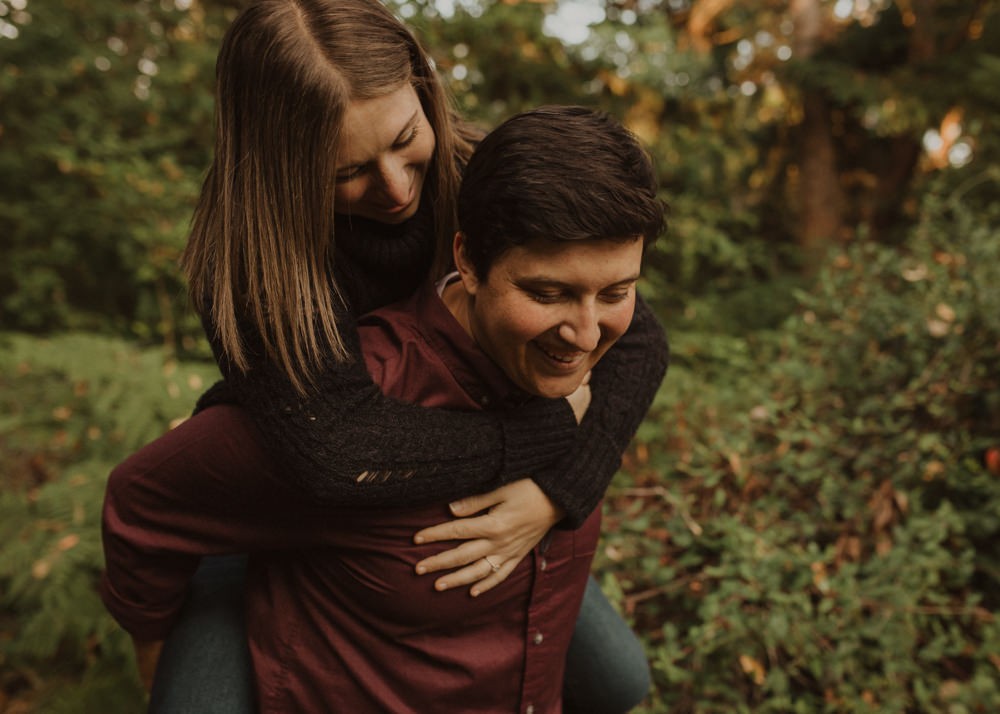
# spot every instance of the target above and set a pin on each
(464, 265)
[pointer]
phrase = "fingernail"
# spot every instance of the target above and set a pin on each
(474, 593)
(441, 586)
(455, 506)
(418, 539)
(421, 570)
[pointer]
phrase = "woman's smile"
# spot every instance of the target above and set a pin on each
(383, 157)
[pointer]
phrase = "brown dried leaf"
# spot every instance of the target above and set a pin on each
(754, 668)
(41, 569)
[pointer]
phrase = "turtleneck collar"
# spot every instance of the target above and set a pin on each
(379, 263)
(384, 249)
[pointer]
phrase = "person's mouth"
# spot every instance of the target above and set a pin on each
(399, 207)
(562, 359)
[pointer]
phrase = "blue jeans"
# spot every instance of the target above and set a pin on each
(205, 664)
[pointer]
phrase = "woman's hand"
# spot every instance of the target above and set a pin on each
(518, 516)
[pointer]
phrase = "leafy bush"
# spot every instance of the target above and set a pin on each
(106, 132)
(807, 523)
(73, 407)
(804, 523)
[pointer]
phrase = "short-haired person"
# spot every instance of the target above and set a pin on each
(555, 212)
(332, 192)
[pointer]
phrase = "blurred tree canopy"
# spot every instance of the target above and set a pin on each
(807, 520)
(781, 130)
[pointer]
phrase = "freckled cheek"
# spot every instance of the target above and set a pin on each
(521, 325)
(346, 196)
(529, 322)
(341, 198)
(418, 157)
(519, 335)
(617, 324)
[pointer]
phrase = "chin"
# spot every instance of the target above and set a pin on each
(374, 214)
(555, 390)
(393, 219)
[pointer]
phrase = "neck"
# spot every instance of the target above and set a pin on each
(459, 304)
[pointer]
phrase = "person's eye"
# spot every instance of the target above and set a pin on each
(616, 295)
(544, 297)
(350, 174)
(409, 138)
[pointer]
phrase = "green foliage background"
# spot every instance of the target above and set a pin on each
(806, 521)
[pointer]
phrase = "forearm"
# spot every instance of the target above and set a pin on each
(346, 443)
(144, 582)
(203, 488)
(623, 386)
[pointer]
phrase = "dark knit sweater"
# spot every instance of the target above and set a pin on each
(347, 444)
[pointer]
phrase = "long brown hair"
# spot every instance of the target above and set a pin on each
(261, 244)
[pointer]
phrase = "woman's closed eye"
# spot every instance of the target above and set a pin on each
(408, 139)
(350, 173)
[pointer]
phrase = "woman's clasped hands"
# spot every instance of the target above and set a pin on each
(499, 529)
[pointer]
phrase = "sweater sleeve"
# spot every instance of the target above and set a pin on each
(345, 443)
(623, 385)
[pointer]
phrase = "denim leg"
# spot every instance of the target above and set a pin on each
(205, 664)
(606, 667)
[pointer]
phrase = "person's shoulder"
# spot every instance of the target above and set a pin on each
(399, 317)
(387, 335)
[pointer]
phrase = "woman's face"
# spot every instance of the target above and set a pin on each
(383, 156)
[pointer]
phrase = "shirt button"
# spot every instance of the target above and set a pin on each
(544, 564)
(538, 638)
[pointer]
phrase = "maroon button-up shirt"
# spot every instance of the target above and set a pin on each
(337, 619)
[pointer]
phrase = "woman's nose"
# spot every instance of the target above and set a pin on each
(395, 184)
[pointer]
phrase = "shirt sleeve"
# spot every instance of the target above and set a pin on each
(203, 488)
(346, 443)
(623, 385)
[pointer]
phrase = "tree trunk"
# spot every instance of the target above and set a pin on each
(893, 184)
(820, 197)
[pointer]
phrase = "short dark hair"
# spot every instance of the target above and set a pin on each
(556, 173)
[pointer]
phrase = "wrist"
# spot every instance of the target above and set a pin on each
(536, 435)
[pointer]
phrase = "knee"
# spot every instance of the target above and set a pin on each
(630, 687)
(626, 683)
(607, 670)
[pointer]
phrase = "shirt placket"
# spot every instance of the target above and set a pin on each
(537, 683)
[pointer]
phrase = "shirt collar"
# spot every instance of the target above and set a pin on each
(473, 369)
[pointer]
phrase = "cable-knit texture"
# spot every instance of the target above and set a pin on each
(376, 264)
(346, 443)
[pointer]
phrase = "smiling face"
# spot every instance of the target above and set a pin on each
(383, 156)
(547, 311)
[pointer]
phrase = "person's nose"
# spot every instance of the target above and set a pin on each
(395, 183)
(581, 327)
